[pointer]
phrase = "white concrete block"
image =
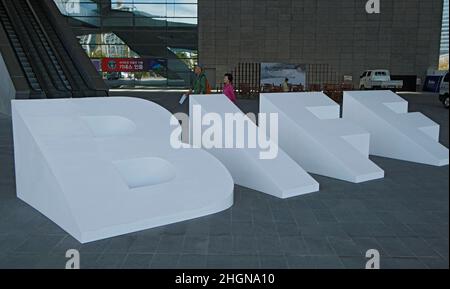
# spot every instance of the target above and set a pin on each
(102, 167)
(314, 135)
(395, 133)
(280, 177)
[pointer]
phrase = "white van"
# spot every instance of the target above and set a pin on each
(379, 79)
(443, 91)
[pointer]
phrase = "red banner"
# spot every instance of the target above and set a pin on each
(123, 65)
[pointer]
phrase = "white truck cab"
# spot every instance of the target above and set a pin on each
(443, 91)
(379, 79)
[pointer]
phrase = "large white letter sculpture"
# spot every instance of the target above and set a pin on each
(280, 176)
(313, 134)
(102, 167)
(395, 133)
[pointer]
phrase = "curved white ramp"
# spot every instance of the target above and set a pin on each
(102, 167)
(395, 133)
(314, 135)
(280, 176)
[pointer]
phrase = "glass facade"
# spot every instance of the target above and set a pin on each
(137, 43)
(443, 59)
(444, 33)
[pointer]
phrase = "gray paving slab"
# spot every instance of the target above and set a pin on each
(404, 216)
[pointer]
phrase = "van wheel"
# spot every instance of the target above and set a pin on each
(446, 101)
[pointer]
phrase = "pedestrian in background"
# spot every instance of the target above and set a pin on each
(285, 85)
(228, 88)
(201, 85)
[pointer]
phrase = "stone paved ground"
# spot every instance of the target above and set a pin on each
(405, 216)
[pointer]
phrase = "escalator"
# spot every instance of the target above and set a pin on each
(52, 67)
(22, 57)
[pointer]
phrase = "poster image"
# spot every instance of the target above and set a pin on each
(276, 73)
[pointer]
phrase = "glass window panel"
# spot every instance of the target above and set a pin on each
(150, 29)
(151, 10)
(91, 21)
(150, 22)
(181, 80)
(182, 10)
(78, 7)
(118, 22)
(182, 22)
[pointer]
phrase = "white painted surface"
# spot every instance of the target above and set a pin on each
(280, 177)
(314, 135)
(102, 167)
(395, 133)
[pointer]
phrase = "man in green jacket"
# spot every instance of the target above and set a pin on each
(200, 86)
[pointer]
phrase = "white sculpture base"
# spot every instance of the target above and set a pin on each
(280, 177)
(314, 135)
(102, 167)
(395, 133)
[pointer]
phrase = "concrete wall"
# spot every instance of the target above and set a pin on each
(404, 37)
(7, 90)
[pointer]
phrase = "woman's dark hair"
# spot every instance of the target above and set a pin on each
(229, 76)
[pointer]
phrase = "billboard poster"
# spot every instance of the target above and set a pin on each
(123, 64)
(276, 73)
(132, 64)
